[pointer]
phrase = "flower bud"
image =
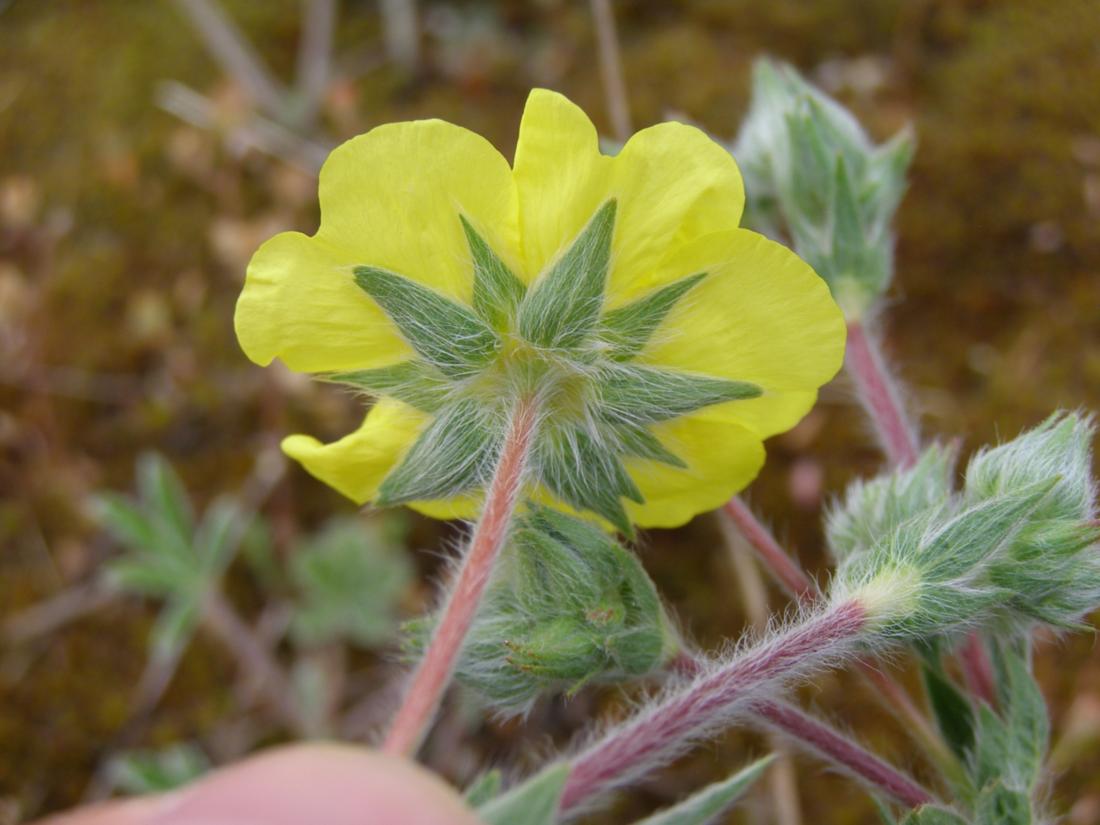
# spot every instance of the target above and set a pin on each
(811, 173)
(567, 606)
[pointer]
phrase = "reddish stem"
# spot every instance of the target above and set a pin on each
(434, 671)
(978, 669)
(879, 395)
(708, 702)
(809, 732)
(785, 570)
(805, 731)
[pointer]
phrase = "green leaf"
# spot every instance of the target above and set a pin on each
(349, 579)
(126, 521)
(485, 787)
(954, 714)
(148, 575)
(628, 329)
(448, 335)
(174, 628)
(416, 383)
(563, 306)
(453, 455)
(214, 543)
(534, 802)
(933, 815)
(497, 291)
(162, 490)
(636, 395)
(1011, 746)
(144, 772)
(586, 474)
(713, 800)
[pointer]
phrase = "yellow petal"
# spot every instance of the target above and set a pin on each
(392, 199)
(671, 181)
(356, 464)
(760, 315)
(300, 304)
(722, 458)
(461, 507)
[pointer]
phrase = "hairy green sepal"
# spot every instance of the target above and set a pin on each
(453, 455)
(552, 341)
(445, 334)
(565, 303)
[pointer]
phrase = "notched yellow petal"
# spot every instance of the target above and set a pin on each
(393, 197)
(300, 304)
(761, 315)
(722, 457)
(671, 181)
(357, 463)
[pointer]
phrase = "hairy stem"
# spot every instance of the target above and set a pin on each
(434, 672)
(807, 732)
(709, 702)
(822, 739)
(611, 69)
(784, 570)
(878, 392)
(754, 595)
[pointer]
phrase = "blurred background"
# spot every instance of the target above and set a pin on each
(148, 147)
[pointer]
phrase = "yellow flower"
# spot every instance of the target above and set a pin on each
(662, 342)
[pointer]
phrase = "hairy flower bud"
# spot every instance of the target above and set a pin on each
(811, 173)
(1016, 545)
(567, 606)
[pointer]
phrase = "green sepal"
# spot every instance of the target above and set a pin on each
(497, 291)
(453, 455)
(998, 805)
(874, 508)
(416, 383)
(643, 395)
(849, 236)
(627, 330)
(635, 440)
(445, 333)
(705, 805)
(562, 308)
(533, 802)
(580, 471)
